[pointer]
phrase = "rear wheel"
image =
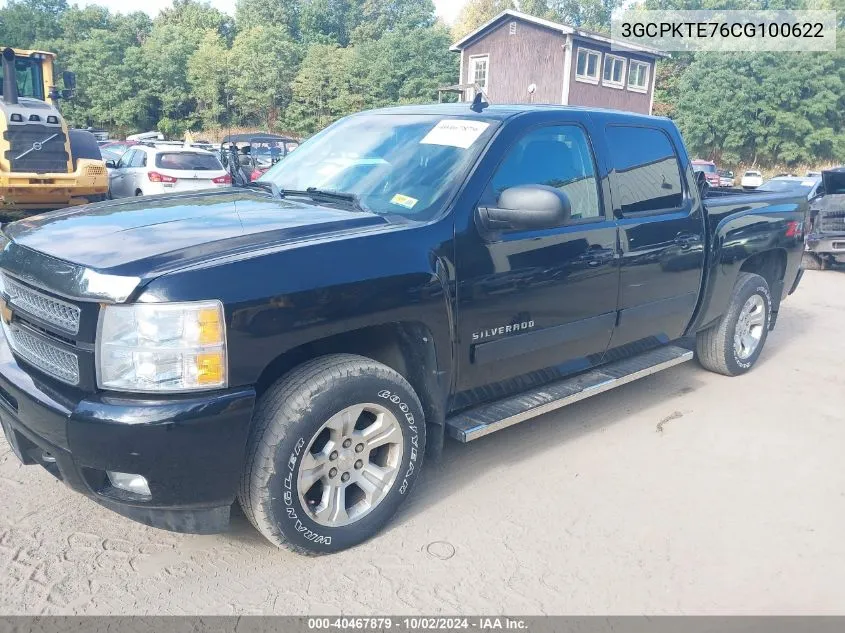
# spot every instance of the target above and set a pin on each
(732, 346)
(336, 448)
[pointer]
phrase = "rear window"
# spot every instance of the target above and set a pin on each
(647, 172)
(189, 161)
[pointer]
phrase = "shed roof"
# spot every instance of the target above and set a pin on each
(554, 26)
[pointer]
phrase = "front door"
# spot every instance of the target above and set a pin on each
(536, 305)
(117, 178)
(662, 238)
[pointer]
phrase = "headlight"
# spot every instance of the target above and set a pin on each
(162, 347)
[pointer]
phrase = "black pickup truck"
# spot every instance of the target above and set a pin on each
(300, 343)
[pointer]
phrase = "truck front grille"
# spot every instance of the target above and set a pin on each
(832, 221)
(49, 358)
(56, 312)
(36, 148)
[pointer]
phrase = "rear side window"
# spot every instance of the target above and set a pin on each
(648, 174)
(190, 161)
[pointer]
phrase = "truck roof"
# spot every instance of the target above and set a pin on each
(502, 112)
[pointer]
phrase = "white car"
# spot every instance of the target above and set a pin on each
(751, 180)
(150, 169)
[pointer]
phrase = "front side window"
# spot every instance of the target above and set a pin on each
(126, 159)
(638, 76)
(614, 71)
(559, 157)
(647, 172)
(403, 164)
(587, 65)
(28, 76)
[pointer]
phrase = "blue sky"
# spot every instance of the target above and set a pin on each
(447, 9)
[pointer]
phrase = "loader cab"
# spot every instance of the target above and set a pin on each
(33, 72)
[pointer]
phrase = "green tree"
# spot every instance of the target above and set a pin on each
(207, 78)
(321, 89)
(279, 13)
(377, 17)
(477, 12)
(194, 18)
(261, 85)
(30, 23)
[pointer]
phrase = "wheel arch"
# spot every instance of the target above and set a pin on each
(407, 347)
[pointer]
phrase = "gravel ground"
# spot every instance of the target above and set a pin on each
(686, 492)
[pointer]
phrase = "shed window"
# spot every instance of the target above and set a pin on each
(479, 71)
(614, 71)
(587, 66)
(638, 76)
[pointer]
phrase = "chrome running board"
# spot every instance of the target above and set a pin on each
(489, 418)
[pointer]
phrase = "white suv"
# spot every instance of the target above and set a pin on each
(150, 169)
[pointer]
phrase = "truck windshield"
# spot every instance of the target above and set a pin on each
(401, 164)
(28, 75)
(707, 169)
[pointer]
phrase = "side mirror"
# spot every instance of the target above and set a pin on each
(526, 208)
(69, 80)
(111, 164)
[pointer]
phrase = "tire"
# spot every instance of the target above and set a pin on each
(716, 347)
(290, 437)
(83, 144)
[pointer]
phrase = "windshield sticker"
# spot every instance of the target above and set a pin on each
(404, 201)
(455, 133)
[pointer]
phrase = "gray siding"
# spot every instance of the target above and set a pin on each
(533, 55)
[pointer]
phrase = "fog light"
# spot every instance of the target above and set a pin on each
(130, 483)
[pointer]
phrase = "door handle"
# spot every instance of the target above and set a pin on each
(686, 240)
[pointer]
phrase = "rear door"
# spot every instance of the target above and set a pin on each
(661, 235)
(137, 173)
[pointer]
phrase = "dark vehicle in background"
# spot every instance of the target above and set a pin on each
(708, 168)
(826, 234)
(726, 178)
(810, 187)
(255, 153)
(301, 342)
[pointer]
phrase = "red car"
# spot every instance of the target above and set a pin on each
(709, 169)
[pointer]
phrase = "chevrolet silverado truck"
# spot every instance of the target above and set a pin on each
(300, 343)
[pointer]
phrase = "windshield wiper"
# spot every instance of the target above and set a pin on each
(324, 194)
(267, 186)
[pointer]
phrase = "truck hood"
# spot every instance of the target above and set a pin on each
(144, 237)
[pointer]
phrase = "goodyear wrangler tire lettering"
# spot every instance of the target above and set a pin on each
(331, 399)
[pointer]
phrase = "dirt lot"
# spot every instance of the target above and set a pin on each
(684, 493)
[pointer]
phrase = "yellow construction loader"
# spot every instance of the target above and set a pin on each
(43, 164)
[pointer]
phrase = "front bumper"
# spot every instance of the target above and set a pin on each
(827, 244)
(189, 448)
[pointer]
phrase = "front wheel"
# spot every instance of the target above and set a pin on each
(336, 448)
(732, 346)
